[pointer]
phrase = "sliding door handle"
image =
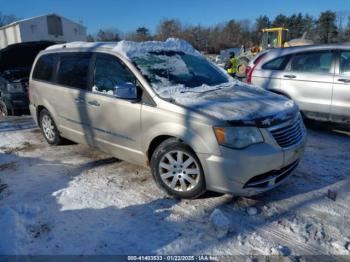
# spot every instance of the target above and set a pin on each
(78, 100)
(344, 80)
(289, 76)
(94, 103)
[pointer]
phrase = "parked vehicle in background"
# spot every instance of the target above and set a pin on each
(165, 105)
(316, 77)
(15, 65)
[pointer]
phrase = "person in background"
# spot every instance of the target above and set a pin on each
(231, 65)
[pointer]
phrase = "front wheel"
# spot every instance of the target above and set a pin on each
(177, 170)
(49, 129)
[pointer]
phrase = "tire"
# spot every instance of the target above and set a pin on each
(242, 67)
(3, 109)
(180, 177)
(49, 128)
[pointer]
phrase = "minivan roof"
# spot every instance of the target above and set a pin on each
(130, 49)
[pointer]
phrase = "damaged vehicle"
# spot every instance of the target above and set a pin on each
(15, 64)
(164, 105)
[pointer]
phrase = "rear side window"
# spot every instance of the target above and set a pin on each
(44, 67)
(314, 62)
(277, 63)
(73, 70)
(345, 63)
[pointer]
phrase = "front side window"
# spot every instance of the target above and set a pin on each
(44, 67)
(170, 69)
(276, 64)
(345, 63)
(312, 62)
(73, 70)
(112, 77)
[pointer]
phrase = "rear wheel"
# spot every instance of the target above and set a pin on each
(177, 170)
(49, 129)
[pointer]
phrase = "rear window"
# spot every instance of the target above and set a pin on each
(44, 67)
(277, 63)
(73, 70)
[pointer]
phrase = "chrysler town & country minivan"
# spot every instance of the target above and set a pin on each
(164, 105)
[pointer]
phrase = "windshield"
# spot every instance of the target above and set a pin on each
(166, 69)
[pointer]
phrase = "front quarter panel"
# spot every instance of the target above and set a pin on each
(180, 123)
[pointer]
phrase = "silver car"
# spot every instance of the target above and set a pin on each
(163, 105)
(317, 78)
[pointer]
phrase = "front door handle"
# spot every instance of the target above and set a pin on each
(344, 80)
(289, 76)
(94, 103)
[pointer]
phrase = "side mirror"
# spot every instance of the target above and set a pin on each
(126, 91)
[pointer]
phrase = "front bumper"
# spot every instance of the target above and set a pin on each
(253, 170)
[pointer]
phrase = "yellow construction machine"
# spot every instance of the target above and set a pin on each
(276, 37)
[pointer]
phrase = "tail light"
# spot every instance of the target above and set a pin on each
(250, 70)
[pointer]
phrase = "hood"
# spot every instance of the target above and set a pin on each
(238, 103)
(21, 55)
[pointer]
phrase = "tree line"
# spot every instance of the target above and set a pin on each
(328, 27)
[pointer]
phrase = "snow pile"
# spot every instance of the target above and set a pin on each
(220, 223)
(235, 101)
(280, 251)
(252, 211)
(131, 49)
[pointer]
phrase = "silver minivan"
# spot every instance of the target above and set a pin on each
(164, 105)
(317, 78)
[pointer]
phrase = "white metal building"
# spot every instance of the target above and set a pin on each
(50, 27)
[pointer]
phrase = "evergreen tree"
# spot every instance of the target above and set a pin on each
(326, 27)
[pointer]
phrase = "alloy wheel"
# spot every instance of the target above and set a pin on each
(48, 128)
(179, 171)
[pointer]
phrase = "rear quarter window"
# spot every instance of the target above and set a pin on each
(277, 63)
(44, 67)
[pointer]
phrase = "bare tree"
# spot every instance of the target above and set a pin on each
(108, 35)
(7, 19)
(168, 28)
(341, 21)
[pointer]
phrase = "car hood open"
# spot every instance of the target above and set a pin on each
(21, 55)
(237, 102)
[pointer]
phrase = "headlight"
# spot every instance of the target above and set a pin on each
(238, 137)
(14, 88)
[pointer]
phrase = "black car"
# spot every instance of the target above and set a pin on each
(15, 64)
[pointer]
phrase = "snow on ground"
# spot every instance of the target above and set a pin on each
(75, 200)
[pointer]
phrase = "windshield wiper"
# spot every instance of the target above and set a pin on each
(200, 92)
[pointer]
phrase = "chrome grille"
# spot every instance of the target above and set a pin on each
(289, 133)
